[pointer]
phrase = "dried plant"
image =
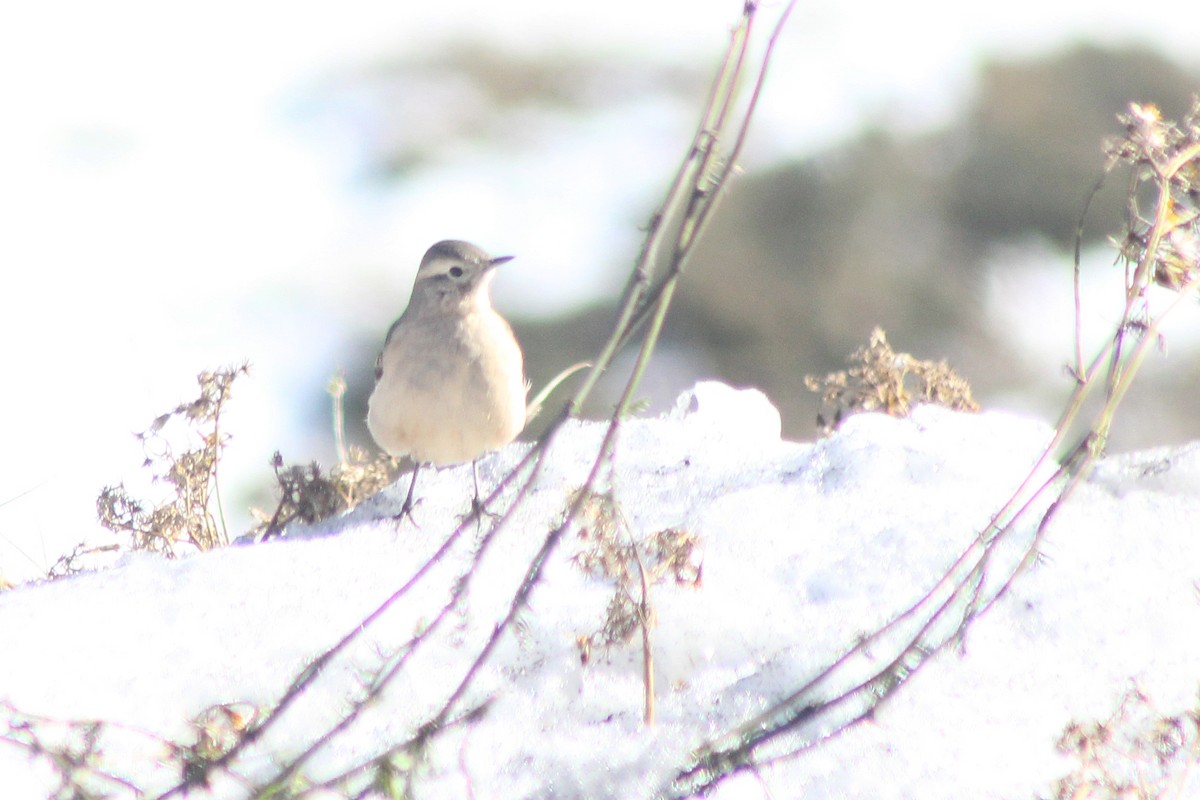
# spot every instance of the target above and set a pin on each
(192, 515)
(307, 495)
(218, 728)
(74, 751)
(884, 380)
(1164, 153)
(612, 553)
(1137, 753)
(77, 560)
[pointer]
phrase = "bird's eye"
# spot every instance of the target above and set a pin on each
(456, 272)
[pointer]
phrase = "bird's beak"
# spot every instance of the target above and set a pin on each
(495, 262)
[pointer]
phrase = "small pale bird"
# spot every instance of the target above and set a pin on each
(450, 380)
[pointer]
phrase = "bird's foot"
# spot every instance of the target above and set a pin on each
(406, 511)
(479, 510)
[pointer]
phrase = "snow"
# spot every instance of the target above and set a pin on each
(804, 546)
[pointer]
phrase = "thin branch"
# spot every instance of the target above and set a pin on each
(1087, 205)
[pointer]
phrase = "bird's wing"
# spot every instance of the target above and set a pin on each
(379, 358)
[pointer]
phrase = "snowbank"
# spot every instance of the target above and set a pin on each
(803, 547)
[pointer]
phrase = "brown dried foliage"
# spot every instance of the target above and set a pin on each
(612, 553)
(1167, 154)
(306, 495)
(884, 380)
(1138, 753)
(191, 515)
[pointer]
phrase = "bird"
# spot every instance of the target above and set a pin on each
(450, 379)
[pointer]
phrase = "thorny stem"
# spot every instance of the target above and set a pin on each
(690, 185)
(969, 579)
(414, 743)
(736, 750)
(1141, 350)
(739, 748)
(703, 150)
(1137, 286)
(634, 292)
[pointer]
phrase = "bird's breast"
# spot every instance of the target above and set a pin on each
(449, 390)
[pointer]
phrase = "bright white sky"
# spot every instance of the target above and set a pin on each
(163, 211)
(804, 547)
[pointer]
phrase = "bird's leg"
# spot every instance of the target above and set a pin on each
(478, 509)
(407, 509)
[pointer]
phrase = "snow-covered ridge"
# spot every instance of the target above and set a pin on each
(805, 546)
